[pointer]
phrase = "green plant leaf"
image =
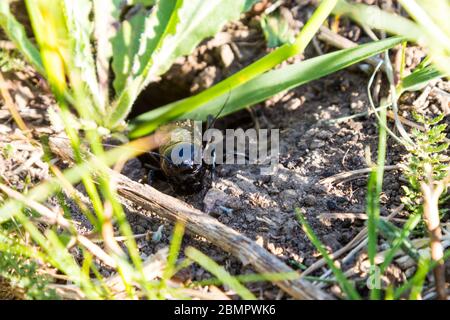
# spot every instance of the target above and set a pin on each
(130, 68)
(16, 33)
(419, 79)
(276, 30)
(174, 29)
(106, 16)
(125, 46)
(271, 83)
(80, 30)
(191, 22)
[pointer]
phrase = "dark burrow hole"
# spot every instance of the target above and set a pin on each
(167, 91)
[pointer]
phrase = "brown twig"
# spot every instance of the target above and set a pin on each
(199, 223)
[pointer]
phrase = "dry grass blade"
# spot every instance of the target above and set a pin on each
(322, 262)
(153, 268)
(340, 42)
(53, 218)
(352, 215)
(9, 102)
(351, 174)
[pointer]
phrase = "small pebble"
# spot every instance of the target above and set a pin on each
(310, 200)
(226, 55)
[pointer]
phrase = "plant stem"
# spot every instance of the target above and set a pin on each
(423, 19)
(431, 195)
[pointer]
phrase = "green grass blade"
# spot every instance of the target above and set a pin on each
(438, 10)
(375, 184)
(106, 15)
(375, 18)
(16, 33)
(397, 243)
(373, 211)
(218, 271)
(419, 79)
(266, 85)
(80, 30)
(174, 250)
(426, 22)
(374, 190)
(415, 283)
(125, 46)
(57, 255)
(346, 286)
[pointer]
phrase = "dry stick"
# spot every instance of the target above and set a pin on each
(199, 223)
(431, 195)
(341, 42)
(345, 175)
(9, 102)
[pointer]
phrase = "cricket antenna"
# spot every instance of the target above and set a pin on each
(213, 122)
